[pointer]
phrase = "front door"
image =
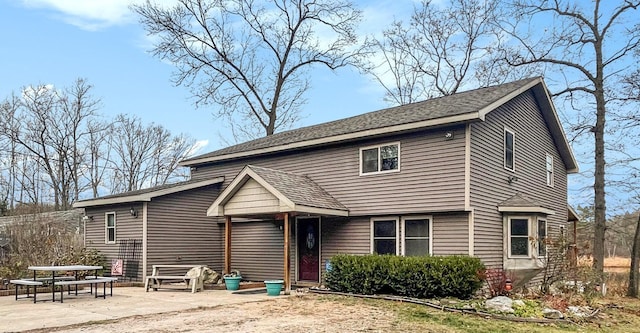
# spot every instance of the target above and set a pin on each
(308, 242)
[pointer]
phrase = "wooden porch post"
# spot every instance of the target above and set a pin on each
(227, 245)
(287, 263)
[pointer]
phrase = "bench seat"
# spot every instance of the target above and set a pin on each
(156, 281)
(91, 282)
(28, 283)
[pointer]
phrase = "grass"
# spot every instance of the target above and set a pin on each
(616, 315)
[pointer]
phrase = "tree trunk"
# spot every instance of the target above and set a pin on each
(635, 257)
(600, 206)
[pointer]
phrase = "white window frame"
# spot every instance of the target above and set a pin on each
(529, 249)
(404, 235)
(549, 170)
(106, 228)
(546, 235)
(504, 150)
(379, 159)
(397, 236)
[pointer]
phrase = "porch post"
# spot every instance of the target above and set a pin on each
(287, 263)
(227, 245)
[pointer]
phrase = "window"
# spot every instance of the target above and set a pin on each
(549, 170)
(110, 228)
(385, 235)
(509, 149)
(519, 237)
(542, 238)
(417, 233)
(384, 158)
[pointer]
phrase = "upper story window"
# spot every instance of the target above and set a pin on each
(110, 228)
(549, 166)
(509, 150)
(382, 158)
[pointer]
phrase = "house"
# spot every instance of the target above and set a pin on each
(481, 173)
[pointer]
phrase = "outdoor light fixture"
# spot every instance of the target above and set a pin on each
(508, 286)
(133, 212)
(86, 218)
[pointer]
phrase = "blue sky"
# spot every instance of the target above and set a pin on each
(57, 41)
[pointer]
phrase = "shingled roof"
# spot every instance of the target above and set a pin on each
(148, 193)
(522, 204)
(296, 193)
(470, 105)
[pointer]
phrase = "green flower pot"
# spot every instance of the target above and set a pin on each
(273, 287)
(232, 282)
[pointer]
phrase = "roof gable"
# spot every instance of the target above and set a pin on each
(465, 106)
(294, 193)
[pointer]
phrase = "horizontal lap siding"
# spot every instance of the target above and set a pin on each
(450, 234)
(257, 250)
(179, 231)
(342, 236)
(127, 227)
(431, 176)
(489, 185)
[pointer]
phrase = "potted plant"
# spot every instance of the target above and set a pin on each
(273, 287)
(232, 280)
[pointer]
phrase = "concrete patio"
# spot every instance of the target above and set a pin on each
(23, 314)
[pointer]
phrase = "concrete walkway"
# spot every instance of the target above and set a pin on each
(23, 314)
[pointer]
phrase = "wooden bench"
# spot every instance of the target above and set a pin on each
(156, 280)
(93, 283)
(27, 283)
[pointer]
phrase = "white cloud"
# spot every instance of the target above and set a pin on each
(197, 147)
(90, 14)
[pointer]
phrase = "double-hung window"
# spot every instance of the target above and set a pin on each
(549, 167)
(519, 237)
(509, 150)
(382, 158)
(110, 228)
(542, 238)
(417, 236)
(385, 236)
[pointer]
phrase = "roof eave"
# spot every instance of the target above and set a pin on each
(146, 196)
(338, 138)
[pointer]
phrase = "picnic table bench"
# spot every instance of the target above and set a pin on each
(156, 279)
(92, 281)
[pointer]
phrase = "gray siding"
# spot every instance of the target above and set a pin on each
(179, 231)
(127, 227)
(257, 250)
(489, 185)
(431, 176)
(450, 234)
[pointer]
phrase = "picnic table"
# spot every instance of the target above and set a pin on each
(156, 279)
(60, 280)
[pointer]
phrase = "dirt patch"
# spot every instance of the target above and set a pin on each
(309, 313)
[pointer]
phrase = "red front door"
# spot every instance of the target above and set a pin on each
(308, 242)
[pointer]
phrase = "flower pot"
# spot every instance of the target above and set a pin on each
(232, 282)
(273, 287)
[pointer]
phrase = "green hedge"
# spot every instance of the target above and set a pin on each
(422, 277)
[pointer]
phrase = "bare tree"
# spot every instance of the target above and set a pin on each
(440, 50)
(583, 47)
(250, 57)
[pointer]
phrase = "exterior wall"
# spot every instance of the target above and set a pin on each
(450, 234)
(431, 176)
(180, 232)
(489, 184)
(257, 250)
(252, 197)
(346, 236)
(127, 227)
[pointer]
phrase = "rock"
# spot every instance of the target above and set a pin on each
(500, 304)
(552, 313)
(578, 311)
(518, 302)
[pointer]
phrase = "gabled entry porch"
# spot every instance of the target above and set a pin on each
(263, 195)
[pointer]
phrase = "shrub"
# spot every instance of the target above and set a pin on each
(422, 277)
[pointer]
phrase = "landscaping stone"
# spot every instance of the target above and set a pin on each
(552, 313)
(579, 311)
(500, 304)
